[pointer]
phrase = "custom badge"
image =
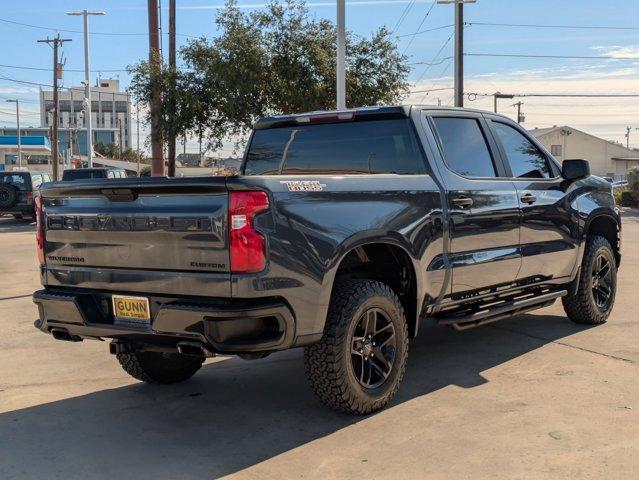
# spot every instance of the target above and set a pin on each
(304, 185)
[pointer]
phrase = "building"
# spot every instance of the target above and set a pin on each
(606, 158)
(30, 145)
(110, 115)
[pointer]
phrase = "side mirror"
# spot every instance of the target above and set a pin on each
(573, 170)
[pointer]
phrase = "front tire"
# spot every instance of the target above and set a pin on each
(597, 284)
(360, 361)
(156, 367)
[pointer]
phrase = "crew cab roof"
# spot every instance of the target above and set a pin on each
(350, 114)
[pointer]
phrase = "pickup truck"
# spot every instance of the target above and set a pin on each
(343, 230)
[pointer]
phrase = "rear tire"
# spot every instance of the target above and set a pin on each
(596, 285)
(156, 367)
(360, 361)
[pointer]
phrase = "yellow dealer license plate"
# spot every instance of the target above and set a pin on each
(131, 311)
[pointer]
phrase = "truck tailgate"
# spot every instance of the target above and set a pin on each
(156, 235)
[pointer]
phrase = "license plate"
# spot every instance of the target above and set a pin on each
(131, 311)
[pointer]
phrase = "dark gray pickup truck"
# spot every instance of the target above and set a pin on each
(343, 231)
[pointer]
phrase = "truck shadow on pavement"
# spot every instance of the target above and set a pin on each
(10, 224)
(235, 414)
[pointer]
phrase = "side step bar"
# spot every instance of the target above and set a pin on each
(509, 309)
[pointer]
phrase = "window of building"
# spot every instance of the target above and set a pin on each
(464, 146)
(555, 150)
(376, 146)
(526, 160)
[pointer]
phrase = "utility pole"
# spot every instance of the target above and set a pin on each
(155, 61)
(459, 54)
(137, 127)
(341, 54)
(17, 102)
(171, 140)
(520, 119)
(87, 82)
(120, 137)
(459, 48)
(57, 73)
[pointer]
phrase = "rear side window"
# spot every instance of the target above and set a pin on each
(376, 146)
(464, 146)
(526, 160)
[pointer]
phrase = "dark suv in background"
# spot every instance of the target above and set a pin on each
(89, 173)
(17, 192)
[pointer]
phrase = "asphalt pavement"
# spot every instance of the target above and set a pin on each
(535, 396)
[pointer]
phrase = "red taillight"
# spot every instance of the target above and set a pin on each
(29, 198)
(247, 247)
(39, 229)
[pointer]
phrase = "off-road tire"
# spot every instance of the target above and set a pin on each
(328, 363)
(581, 307)
(155, 367)
(8, 196)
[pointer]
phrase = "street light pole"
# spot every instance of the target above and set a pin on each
(341, 54)
(87, 87)
(17, 102)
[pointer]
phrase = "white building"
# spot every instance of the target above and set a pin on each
(606, 158)
(110, 112)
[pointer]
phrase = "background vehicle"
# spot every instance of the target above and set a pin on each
(89, 173)
(343, 231)
(18, 190)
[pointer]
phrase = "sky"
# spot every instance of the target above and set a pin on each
(120, 39)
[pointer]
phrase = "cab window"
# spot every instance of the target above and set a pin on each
(464, 146)
(525, 159)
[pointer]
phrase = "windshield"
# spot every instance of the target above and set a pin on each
(82, 174)
(17, 180)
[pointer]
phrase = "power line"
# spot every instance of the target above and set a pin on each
(431, 90)
(21, 67)
(533, 25)
(517, 55)
(25, 82)
(403, 15)
(435, 63)
(444, 70)
(419, 32)
(562, 95)
(410, 42)
(22, 113)
(434, 59)
(111, 34)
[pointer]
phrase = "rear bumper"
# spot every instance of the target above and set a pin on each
(223, 327)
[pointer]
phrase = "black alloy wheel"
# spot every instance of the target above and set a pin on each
(373, 348)
(602, 282)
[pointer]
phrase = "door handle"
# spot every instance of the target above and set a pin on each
(528, 198)
(462, 201)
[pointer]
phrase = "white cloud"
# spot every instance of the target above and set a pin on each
(17, 90)
(618, 51)
(606, 117)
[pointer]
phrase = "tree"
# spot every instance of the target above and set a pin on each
(272, 61)
(131, 155)
(109, 150)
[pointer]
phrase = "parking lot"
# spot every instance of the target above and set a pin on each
(531, 397)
